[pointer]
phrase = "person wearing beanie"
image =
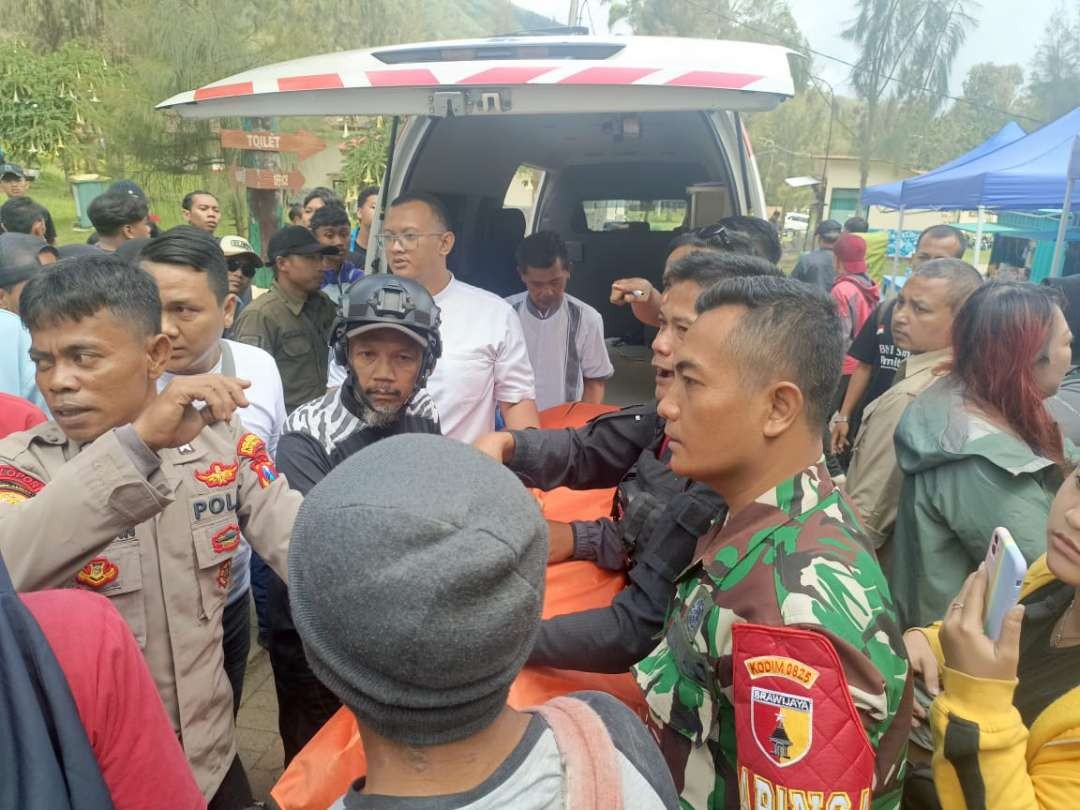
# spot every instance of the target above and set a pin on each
(387, 335)
(21, 256)
(419, 613)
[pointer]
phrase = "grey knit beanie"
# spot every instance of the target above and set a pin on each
(416, 576)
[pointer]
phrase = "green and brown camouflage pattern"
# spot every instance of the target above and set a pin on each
(796, 557)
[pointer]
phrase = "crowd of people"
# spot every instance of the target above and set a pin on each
(801, 513)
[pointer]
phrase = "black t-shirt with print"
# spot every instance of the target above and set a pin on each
(874, 346)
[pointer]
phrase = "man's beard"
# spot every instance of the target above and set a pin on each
(377, 418)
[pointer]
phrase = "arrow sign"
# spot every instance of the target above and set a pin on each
(266, 179)
(302, 142)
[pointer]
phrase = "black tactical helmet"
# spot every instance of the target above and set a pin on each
(385, 301)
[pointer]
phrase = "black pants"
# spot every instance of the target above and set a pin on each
(236, 642)
(304, 704)
(234, 793)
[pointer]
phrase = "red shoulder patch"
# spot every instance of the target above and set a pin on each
(252, 448)
(16, 486)
(799, 734)
(97, 573)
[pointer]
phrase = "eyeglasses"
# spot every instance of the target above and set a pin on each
(409, 241)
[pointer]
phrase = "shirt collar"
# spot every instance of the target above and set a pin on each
(295, 305)
(927, 361)
(535, 312)
(788, 501)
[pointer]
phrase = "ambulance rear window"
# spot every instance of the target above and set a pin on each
(634, 215)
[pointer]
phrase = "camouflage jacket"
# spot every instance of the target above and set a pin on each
(796, 558)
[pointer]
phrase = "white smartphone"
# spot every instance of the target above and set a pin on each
(1006, 569)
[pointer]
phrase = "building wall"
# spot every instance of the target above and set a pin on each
(843, 180)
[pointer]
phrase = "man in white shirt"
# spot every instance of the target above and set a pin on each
(196, 307)
(565, 336)
(485, 362)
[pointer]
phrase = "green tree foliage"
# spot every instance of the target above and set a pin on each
(768, 21)
(790, 140)
(365, 154)
(52, 23)
(1054, 88)
(906, 51)
(49, 102)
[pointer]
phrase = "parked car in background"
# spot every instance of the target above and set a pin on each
(796, 223)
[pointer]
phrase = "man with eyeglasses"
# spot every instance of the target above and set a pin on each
(485, 363)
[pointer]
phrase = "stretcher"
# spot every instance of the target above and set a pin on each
(334, 757)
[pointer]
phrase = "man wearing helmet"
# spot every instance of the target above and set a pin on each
(387, 336)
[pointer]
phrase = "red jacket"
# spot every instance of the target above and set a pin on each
(17, 415)
(856, 295)
(132, 737)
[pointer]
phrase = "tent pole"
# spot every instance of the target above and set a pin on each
(899, 246)
(978, 237)
(1059, 245)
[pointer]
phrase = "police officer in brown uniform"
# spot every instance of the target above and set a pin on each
(141, 496)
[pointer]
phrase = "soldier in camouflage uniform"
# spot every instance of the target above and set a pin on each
(780, 680)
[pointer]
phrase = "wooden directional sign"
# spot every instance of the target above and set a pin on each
(266, 179)
(303, 143)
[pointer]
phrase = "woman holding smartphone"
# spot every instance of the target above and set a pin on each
(978, 448)
(1006, 718)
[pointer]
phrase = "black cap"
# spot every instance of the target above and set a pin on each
(19, 257)
(296, 240)
(828, 226)
(128, 187)
(12, 169)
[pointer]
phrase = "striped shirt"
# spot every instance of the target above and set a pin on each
(566, 347)
(329, 421)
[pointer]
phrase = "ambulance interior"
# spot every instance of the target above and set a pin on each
(614, 186)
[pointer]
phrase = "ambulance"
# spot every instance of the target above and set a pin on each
(601, 139)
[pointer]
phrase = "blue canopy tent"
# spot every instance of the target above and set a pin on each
(890, 195)
(1026, 174)
(1029, 173)
(1037, 171)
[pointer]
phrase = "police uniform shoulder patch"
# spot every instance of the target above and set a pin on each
(226, 540)
(16, 486)
(219, 475)
(98, 573)
(253, 449)
(250, 446)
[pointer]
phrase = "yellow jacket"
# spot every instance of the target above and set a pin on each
(984, 757)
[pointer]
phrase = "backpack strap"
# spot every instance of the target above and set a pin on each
(589, 760)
